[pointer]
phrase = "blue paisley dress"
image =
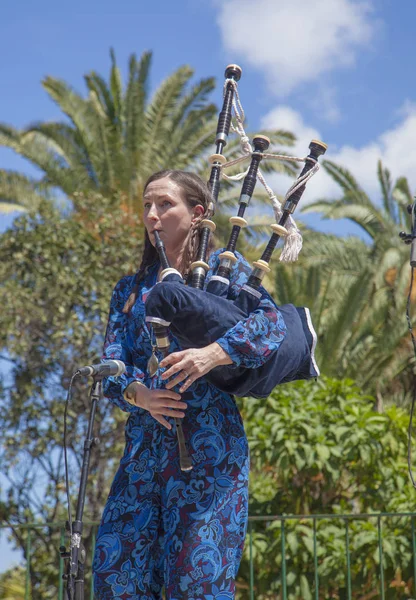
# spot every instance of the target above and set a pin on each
(161, 527)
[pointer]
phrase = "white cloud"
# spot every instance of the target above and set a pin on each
(284, 117)
(296, 42)
(395, 147)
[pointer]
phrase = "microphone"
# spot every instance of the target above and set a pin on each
(105, 369)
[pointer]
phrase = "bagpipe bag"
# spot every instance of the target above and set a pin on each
(197, 318)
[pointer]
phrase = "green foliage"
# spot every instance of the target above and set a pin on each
(325, 448)
(56, 276)
(12, 584)
(320, 448)
(360, 288)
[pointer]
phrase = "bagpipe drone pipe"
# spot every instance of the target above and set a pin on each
(197, 314)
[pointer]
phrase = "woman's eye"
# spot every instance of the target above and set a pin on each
(167, 203)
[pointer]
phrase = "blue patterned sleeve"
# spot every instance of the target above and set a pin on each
(116, 347)
(251, 341)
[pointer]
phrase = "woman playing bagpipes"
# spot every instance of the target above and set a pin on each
(163, 526)
(177, 512)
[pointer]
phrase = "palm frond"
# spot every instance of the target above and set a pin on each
(193, 102)
(63, 143)
(342, 176)
(196, 145)
(350, 303)
(158, 113)
(279, 137)
(72, 104)
(116, 88)
(387, 261)
(189, 141)
(135, 100)
(82, 116)
(8, 208)
(363, 214)
(39, 153)
(106, 172)
(403, 196)
(386, 190)
(19, 192)
(96, 83)
(279, 166)
(337, 255)
(403, 282)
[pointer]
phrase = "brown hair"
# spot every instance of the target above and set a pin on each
(196, 192)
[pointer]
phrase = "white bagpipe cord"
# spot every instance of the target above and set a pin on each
(293, 240)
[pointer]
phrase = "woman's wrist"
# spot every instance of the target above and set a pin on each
(134, 393)
(220, 356)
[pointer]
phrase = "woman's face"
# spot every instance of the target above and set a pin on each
(166, 211)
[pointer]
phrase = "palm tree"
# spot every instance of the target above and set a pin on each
(357, 290)
(113, 139)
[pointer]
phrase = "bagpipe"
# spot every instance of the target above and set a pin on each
(197, 313)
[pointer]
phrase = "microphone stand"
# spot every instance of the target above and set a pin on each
(410, 238)
(75, 557)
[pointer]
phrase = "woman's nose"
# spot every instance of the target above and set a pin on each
(152, 214)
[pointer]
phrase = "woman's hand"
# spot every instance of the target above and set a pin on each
(193, 363)
(160, 404)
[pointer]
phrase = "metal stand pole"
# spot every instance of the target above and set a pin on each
(76, 555)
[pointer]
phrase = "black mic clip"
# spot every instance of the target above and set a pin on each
(408, 237)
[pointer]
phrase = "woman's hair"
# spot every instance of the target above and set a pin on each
(195, 192)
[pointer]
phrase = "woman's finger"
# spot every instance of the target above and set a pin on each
(196, 374)
(171, 359)
(162, 421)
(177, 368)
(176, 414)
(169, 411)
(168, 407)
(173, 405)
(188, 382)
(165, 393)
(181, 376)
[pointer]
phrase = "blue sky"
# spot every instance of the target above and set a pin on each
(340, 70)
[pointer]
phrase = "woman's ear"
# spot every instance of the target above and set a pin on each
(198, 211)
